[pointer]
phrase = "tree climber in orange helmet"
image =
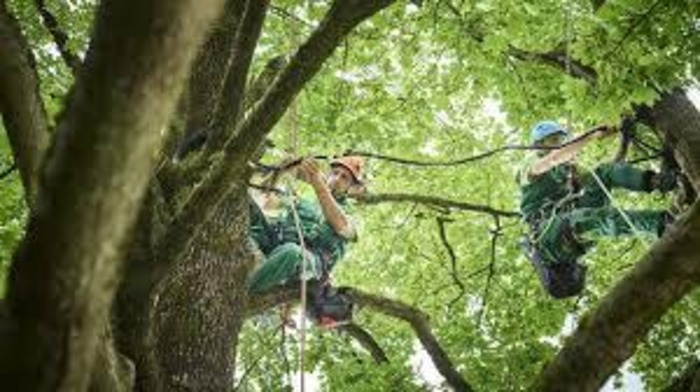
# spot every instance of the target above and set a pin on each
(325, 227)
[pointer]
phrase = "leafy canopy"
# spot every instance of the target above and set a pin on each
(440, 82)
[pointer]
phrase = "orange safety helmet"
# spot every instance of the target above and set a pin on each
(353, 164)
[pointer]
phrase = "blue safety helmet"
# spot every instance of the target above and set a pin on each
(544, 129)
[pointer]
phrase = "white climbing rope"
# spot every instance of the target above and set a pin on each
(638, 233)
(302, 278)
(294, 148)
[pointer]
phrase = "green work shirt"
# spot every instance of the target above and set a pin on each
(541, 193)
(319, 235)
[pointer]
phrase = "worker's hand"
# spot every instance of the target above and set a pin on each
(309, 172)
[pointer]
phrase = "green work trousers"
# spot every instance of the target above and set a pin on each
(283, 259)
(612, 175)
(566, 235)
(282, 266)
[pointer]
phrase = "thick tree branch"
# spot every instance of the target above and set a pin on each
(607, 336)
(20, 103)
(365, 339)
(419, 322)
(283, 294)
(59, 36)
(233, 94)
(210, 68)
(64, 274)
(342, 17)
(393, 308)
(340, 20)
(369, 198)
(675, 116)
(263, 81)
(232, 170)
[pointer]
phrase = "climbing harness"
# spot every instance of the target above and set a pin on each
(561, 280)
(294, 144)
(566, 277)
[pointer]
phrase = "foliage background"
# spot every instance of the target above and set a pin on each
(439, 82)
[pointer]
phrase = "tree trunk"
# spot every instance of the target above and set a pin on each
(20, 103)
(200, 306)
(65, 272)
(183, 302)
(677, 118)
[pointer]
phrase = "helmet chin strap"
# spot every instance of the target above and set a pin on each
(338, 194)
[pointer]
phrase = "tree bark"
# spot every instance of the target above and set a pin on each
(678, 120)
(201, 303)
(133, 302)
(366, 340)
(20, 103)
(64, 274)
(232, 97)
(112, 371)
(210, 68)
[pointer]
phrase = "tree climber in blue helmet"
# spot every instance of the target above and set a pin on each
(567, 209)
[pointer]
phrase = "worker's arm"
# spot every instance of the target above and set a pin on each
(310, 173)
(565, 154)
